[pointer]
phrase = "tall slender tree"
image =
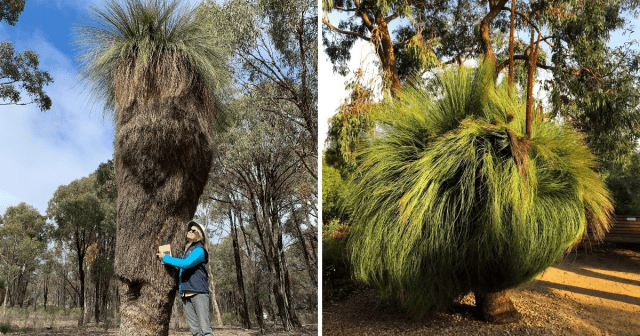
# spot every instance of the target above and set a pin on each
(275, 41)
(78, 214)
(21, 242)
(159, 75)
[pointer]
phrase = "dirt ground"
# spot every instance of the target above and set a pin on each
(594, 291)
(68, 326)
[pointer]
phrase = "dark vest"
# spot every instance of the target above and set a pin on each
(195, 279)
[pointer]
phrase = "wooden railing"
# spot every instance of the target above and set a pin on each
(625, 229)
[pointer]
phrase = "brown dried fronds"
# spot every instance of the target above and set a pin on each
(168, 76)
(520, 151)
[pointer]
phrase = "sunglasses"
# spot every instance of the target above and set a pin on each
(194, 231)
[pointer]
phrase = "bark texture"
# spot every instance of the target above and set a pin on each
(386, 54)
(484, 28)
(496, 307)
(163, 151)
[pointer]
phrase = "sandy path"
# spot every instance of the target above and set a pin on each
(605, 286)
(597, 293)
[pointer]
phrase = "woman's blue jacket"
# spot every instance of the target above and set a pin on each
(192, 266)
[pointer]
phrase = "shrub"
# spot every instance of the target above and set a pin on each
(334, 249)
(451, 196)
(332, 194)
(229, 318)
(5, 326)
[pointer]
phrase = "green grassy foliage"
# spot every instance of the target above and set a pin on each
(624, 183)
(332, 194)
(144, 29)
(333, 247)
(451, 198)
(4, 327)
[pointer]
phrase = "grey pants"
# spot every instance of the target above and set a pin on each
(197, 310)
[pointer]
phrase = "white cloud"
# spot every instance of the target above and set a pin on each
(43, 150)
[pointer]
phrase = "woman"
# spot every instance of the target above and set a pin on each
(193, 283)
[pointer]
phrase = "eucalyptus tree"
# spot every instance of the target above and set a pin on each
(20, 70)
(592, 83)
(22, 241)
(624, 183)
(78, 215)
(256, 170)
(370, 20)
(275, 41)
(102, 266)
(451, 196)
(159, 75)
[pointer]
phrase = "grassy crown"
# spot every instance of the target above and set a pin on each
(145, 30)
(451, 198)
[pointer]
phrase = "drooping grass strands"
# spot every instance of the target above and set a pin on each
(441, 205)
(143, 29)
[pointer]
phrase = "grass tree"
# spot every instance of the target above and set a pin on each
(159, 75)
(452, 197)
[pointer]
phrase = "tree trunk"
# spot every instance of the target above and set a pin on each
(214, 301)
(46, 292)
(484, 30)
(81, 293)
(282, 293)
(496, 307)
(244, 311)
(387, 55)
(270, 233)
(313, 274)
(511, 42)
(533, 57)
(258, 305)
(254, 282)
(96, 302)
(4, 301)
(162, 156)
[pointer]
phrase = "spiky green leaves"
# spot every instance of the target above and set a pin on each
(450, 199)
(145, 30)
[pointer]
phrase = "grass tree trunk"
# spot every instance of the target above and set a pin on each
(163, 151)
(496, 307)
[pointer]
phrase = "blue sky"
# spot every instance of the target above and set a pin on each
(40, 151)
(43, 150)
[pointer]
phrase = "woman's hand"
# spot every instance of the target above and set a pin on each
(160, 255)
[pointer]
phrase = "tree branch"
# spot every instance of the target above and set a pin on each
(365, 17)
(346, 32)
(535, 27)
(391, 17)
(576, 72)
(345, 9)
